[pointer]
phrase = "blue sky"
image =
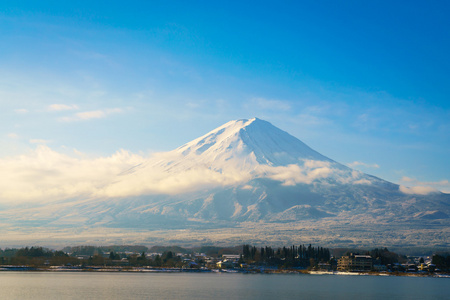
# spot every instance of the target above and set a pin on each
(366, 84)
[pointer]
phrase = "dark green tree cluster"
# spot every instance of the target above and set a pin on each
(167, 259)
(34, 256)
(100, 250)
(114, 256)
(34, 252)
(84, 250)
(301, 256)
(385, 257)
(442, 262)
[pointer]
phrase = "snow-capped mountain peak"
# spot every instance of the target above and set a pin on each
(252, 139)
(230, 155)
(249, 179)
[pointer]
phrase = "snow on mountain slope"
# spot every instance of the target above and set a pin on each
(236, 152)
(255, 140)
(248, 172)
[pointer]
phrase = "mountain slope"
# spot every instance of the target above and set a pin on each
(234, 153)
(249, 172)
(256, 138)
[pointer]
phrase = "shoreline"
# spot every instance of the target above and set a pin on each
(221, 271)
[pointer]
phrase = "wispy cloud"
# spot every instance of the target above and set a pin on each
(47, 175)
(61, 107)
(417, 190)
(362, 164)
(21, 111)
(39, 141)
(268, 104)
(413, 186)
(93, 114)
(13, 135)
(294, 174)
(309, 119)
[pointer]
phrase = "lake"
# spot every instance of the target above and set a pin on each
(120, 285)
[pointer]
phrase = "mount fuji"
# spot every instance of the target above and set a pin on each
(244, 182)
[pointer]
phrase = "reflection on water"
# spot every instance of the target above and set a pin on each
(46, 285)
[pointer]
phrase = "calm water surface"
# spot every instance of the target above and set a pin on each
(45, 285)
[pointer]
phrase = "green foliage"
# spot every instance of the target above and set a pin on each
(171, 260)
(83, 250)
(97, 260)
(35, 256)
(93, 250)
(385, 256)
(8, 253)
(34, 252)
(442, 262)
(157, 262)
(114, 256)
(287, 257)
(302, 256)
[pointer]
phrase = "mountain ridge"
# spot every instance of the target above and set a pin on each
(241, 174)
(250, 133)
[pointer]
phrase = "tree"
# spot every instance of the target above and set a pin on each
(142, 259)
(440, 261)
(246, 251)
(157, 262)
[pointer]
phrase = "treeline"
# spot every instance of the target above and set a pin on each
(98, 250)
(167, 259)
(386, 257)
(93, 256)
(95, 250)
(35, 256)
(167, 256)
(294, 256)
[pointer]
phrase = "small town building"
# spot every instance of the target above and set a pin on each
(324, 266)
(355, 262)
(380, 268)
(226, 264)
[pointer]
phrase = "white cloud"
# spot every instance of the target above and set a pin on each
(13, 135)
(407, 179)
(294, 174)
(61, 107)
(157, 182)
(21, 111)
(362, 181)
(247, 187)
(362, 164)
(46, 175)
(161, 176)
(94, 114)
(418, 190)
(39, 141)
(423, 187)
